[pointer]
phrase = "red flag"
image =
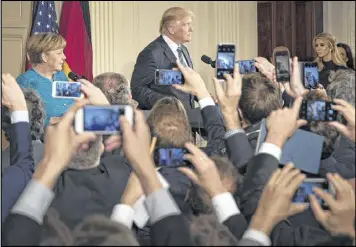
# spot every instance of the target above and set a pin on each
(75, 28)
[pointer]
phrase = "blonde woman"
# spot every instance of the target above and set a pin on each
(328, 56)
(45, 53)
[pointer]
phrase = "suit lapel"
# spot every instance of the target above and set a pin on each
(167, 51)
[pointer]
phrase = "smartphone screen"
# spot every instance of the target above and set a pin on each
(170, 157)
(311, 75)
(282, 66)
(225, 60)
(306, 188)
(246, 66)
(317, 110)
(66, 89)
(168, 77)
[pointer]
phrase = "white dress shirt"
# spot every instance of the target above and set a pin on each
(19, 116)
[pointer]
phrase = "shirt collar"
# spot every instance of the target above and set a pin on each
(174, 46)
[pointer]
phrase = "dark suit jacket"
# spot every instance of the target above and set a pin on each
(16, 177)
(157, 55)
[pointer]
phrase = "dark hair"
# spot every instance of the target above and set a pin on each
(114, 86)
(196, 194)
(168, 121)
(36, 112)
(259, 97)
(350, 62)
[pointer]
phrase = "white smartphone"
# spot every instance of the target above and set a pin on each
(102, 119)
(66, 90)
(225, 60)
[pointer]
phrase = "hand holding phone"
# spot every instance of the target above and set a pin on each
(317, 110)
(166, 77)
(246, 66)
(281, 58)
(170, 157)
(66, 90)
(225, 60)
(102, 119)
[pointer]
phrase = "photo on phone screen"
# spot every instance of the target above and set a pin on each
(317, 110)
(306, 188)
(170, 157)
(66, 89)
(168, 77)
(311, 75)
(246, 66)
(101, 119)
(282, 66)
(225, 60)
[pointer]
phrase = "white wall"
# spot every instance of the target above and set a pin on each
(339, 20)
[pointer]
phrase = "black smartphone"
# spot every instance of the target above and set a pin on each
(170, 157)
(281, 63)
(246, 66)
(225, 60)
(168, 77)
(317, 110)
(306, 188)
(310, 75)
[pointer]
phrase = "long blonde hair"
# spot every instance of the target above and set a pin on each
(330, 41)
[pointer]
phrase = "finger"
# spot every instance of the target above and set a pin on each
(195, 151)
(181, 88)
(295, 182)
(274, 177)
(301, 122)
(335, 180)
(339, 108)
(219, 91)
(68, 117)
(190, 174)
(296, 208)
(181, 67)
(328, 198)
(319, 213)
(113, 139)
(342, 102)
(127, 131)
(85, 82)
(289, 177)
(296, 106)
(140, 121)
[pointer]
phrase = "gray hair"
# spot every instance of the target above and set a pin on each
(95, 230)
(342, 85)
(115, 87)
(86, 159)
(206, 230)
(36, 112)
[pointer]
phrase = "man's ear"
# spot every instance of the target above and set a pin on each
(130, 96)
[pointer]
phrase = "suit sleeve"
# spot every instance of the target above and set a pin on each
(342, 160)
(238, 149)
(260, 168)
(214, 125)
(237, 225)
(16, 177)
(142, 76)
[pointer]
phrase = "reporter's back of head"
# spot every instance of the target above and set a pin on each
(168, 121)
(259, 97)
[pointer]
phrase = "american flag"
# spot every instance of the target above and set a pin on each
(44, 17)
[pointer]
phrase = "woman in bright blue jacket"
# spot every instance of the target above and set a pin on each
(45, 53)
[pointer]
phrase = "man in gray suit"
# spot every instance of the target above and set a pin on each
(162, 53)
(36, 119)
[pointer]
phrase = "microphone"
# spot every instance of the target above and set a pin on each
(208, 60)
(75, 77)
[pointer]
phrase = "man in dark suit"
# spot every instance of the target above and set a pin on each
(162, 53)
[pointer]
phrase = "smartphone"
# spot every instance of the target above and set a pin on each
(309, 74)
(225, 60)
(66, 89)
(246, 66)
(168, 77)
(281, 57)
(306, 188)
(102, 119)
(170, 157)
(317, 110)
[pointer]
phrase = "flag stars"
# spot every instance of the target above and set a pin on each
(40, 13)
(50, 5)
(49, 16)
(47, 26)
(39, 23)
(42, 2)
